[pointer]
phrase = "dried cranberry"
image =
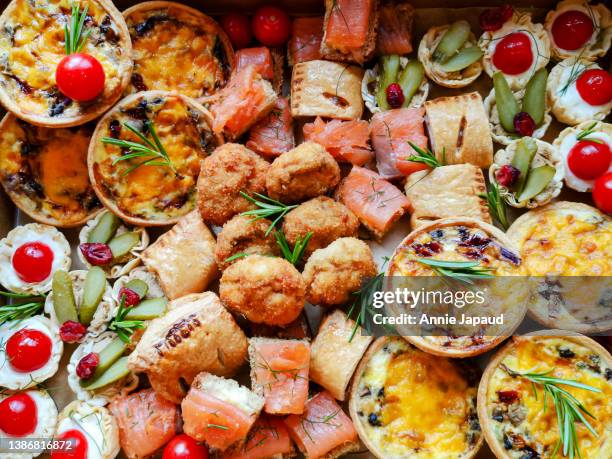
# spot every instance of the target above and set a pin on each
(508, 396)
(130, 297)
(395, 95)
(71, 331)
(87, 365)
(493, 19)
(524, 124)
(96, 253)
(428, 249)
(507, 175)
(476, 241)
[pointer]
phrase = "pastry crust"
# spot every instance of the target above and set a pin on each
(327, 89)
(38, 100)
(183, 258)
(459, 130)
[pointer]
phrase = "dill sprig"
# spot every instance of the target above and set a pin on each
(74, 37)
(266, 208)
(584, 134)
(575, 71)
(124, 328)
(292, 256)
(462, 271)
(327, 420)
(152, 152)
(426, 157)
(21, 310)
(236, 256)
(497, 206)
(217, 426)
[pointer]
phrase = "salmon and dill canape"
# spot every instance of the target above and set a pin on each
(305, 42)
(269, 64)
(394, 28)
(346, 141)
(273, 135)
(268, 438)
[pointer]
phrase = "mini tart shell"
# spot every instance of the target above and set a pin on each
(374, 348)
(96, 148)
(546, 154)
(459, 79)
(485, 422)
(94, 108)
(205, 21)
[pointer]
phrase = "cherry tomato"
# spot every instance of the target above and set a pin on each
(28, 350)
(80, 77)
(513, 54)
(588, 160)
(238, 28)
(18, 415)
(595, 86)
(602, 193)
(78, 445)
(184, 447)
(271, 26)
(572, 29)
(32, 261)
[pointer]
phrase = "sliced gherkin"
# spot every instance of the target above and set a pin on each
(105, 228)
(64, 303)
(507, 106)
(452, 41)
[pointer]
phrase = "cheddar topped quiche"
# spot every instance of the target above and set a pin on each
(32, 45)
(144, 157)
(44, 171)
(520, 420)
(177, 48)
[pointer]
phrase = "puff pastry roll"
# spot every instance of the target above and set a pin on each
(459, 130)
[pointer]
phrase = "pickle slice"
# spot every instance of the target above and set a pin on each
(139, 286)
(507, 106)
(453, 40)
(115, 372)
(105, 229)
(463, 59)
(410, 79)
(525, 151)
(64, 303)
(95, 284)
(389, 67)
(147, 309)
(537, 180)
(122, 244)
(534, 101)
(109, 355)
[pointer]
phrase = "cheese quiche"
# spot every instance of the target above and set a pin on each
(164, 189)
(177, 48)
(44, 171)
(406, 403)
(520, 421)
(32, 45)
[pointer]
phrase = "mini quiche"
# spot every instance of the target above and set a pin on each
(520, 421)
(458, 240)
(175, 133)
(177, 48)
(406, 403)
(44, 171)
(32, 45)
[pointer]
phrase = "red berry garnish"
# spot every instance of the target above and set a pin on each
(595, 86)
(588, 160)
(32, 261)
(494, 18)
(80, 77)
(507, 175)
(72, 332)
(87, 365)
(76, 445)
(18, 415)
(508, 396)
(524, 124)
(602, 193)
(28, 350)
(513, 54)
(96, 253)
(572, 29)
(130, 297)
(395, 95)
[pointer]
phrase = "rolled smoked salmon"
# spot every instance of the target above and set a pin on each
(394, 28)
(345, 140)
(268, 438)
(273, 135)
(305, 42)
(260, 57)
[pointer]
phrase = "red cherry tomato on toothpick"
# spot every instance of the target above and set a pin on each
(80, 77)
(588, 160)
(184, 447)
(271, 26)
(513, 54)
(18, 415)
(78, 445)
(28, 350)
(238, 29)
(572, 29)
(595, 86)
(32, 261)
(602, 193)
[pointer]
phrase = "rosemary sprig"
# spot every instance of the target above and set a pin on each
(497, 205)
(152, 152)
(74, 37)
(426, 157)
(461, 271)
(583, 135)
(266, 207)
(124, 328)
(22, 310)
(292, 256)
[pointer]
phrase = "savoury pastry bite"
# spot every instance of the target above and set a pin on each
(32, 45)
(44, 172)
(518, 420)
(398, 389)
(177, 48)
(459, 130)
(327, 89)
(158, 194)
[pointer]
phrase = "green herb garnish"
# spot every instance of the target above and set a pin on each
(426, 157)
(266, 207)
(30, 306)
(583, 135)
(236, 256)
(462, 271)
(292, 256)
(124, 328)
(74, 37)
(497, 206)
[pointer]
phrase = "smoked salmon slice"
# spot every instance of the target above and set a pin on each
(394, 28)
(260, 57)
(146, 422)
(268, 438)
(305, 42)
(345, 140)
(323, 429)
(347, 24)
(279, 372)
(376, 202)
(273, 135)
(391, 131)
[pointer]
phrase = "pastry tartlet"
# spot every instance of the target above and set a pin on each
(177, 48)
(32, 45)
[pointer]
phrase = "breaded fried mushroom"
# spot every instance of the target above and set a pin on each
(244, 235)
(327, 219)
(263, 289)
(334, 273)
(231, 168)
(302, 173)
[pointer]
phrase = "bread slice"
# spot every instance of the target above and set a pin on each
(231, 392)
